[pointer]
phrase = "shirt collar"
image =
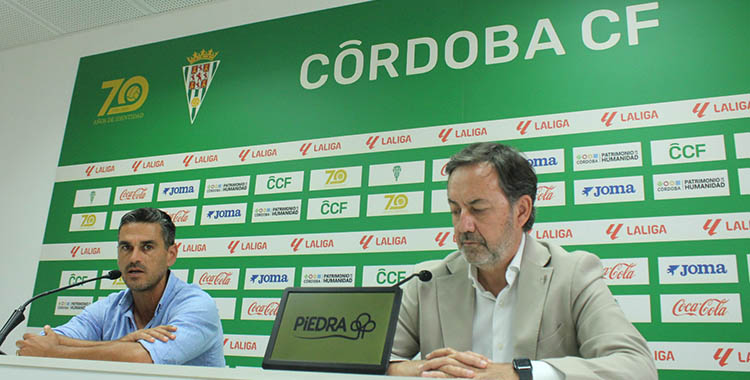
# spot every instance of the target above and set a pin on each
(511, 273)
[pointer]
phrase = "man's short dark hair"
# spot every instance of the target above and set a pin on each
(152, 215)
(516, 176)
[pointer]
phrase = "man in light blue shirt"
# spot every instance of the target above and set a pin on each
(158, 319)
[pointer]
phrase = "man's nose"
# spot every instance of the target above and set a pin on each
(137, 255)
(466, 223)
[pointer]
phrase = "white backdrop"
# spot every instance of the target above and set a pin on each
(36, 82)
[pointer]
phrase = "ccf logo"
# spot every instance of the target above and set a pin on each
(131, 95)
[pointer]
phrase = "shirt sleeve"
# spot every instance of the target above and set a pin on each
(198, 325)
(88, 325)
(540, 370)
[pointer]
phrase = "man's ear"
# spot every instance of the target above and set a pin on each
(522, 209)
(171, 255)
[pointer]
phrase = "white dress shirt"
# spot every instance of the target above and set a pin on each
(492, 332)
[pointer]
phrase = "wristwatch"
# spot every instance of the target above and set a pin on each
(523, 368)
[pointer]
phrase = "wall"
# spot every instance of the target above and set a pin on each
(37, 83)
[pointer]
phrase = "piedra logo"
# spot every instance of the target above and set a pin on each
(325, 327)
(198, 76)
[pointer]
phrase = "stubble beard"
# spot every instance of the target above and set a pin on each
(481, 255)
(147, 284)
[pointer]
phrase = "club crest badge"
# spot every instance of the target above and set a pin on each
(198, 75)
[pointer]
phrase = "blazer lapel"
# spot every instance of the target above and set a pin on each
(533, 284)
(456, 319)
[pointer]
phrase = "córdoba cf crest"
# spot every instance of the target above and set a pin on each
(198, 76)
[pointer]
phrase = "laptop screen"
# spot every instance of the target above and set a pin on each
(334, 329)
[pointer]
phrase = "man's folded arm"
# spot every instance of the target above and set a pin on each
(198, 326)
(110, 350)
(610, 346)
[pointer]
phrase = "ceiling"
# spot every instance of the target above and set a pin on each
(25, 22)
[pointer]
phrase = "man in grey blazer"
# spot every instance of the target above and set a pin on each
(505, 306)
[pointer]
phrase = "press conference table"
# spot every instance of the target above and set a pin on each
(16, 367)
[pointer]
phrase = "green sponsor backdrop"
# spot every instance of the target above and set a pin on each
(255, 97)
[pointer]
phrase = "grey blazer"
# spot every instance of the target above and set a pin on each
(565, 315)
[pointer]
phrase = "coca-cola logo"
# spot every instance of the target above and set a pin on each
(139, 193)
(545, 193)
(620, 271)
(269, 309)
(221, 279)
(711, 307)
(181, 216)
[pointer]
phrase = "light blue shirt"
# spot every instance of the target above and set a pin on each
(198, 339)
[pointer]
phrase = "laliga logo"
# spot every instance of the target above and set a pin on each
(396, 201)
(441, 237)
(75, 250)
(243, 154)
(711, 228)
(613, 230)
(304, 148)
(296, 243)
(232, 246)
(607, 118)
(89, 170)
(722, 359)
(336, 177)
(371, 141)
(136, 164)
(444, 133)
(187, 159)
(700, 108)
(365, 241)
(522, 126)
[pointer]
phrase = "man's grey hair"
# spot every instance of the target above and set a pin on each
(152, 215)
(515, 173)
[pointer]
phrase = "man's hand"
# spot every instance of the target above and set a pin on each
(163, 333)
(447, 362)
(38, 345)
(498, 371)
